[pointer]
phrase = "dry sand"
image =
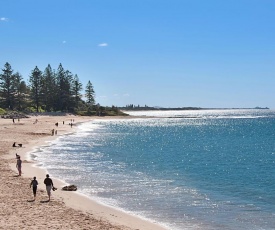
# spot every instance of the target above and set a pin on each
(66, 210)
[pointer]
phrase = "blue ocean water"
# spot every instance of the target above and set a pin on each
(207, 169)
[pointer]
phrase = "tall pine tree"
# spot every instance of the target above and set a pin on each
(49, 89)
(64, 80)
(36, 87)
(20, 91)
(90, 93)
(7, 88)
(76, 88)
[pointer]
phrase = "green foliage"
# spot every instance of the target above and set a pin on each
(114, 111)
(49, 91)
(90, 93)
(86, 113)
(2, 111)
(7, 86)
(30, 110)
(36, 87)
(33, 109)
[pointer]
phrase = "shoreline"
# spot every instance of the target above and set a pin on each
(80, 203)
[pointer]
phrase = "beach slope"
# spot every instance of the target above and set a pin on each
(66, 210)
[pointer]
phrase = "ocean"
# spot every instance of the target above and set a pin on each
(205, 169)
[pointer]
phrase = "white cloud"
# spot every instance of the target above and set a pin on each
(102, 97)
(122, 95)
(103, 44)
(4, 19)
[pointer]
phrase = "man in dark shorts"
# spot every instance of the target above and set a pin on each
(49, 185)
(34, 184)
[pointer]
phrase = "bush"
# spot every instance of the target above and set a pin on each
(32, 109)
(2, 111)
(86, 113)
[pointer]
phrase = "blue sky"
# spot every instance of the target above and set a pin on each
(176, 53)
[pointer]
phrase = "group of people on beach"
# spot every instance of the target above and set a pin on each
(34, 183)
(49, 186)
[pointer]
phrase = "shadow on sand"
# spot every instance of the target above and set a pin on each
(44, 201)
(16, 176)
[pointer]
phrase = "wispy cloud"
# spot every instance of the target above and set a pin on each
(103, 97)
(103, 44)
(4, 19)
(121, 95)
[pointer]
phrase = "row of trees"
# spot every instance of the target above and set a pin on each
(131, 106)
(50, 90)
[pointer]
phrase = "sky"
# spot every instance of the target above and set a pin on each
(167, 53)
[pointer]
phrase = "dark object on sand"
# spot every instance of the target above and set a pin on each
(14, 145)
(69, 188)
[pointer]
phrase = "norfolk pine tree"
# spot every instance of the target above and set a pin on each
(76, 88)
(49, 89)
(20, 90)
(64, 81)
(7, 87)
(90, 93)
(36, 87)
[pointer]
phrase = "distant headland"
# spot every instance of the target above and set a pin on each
(142, 108)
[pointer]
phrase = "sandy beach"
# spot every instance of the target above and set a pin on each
(66, 210)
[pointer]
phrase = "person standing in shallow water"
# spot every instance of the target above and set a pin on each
(49, 185)
(34, 184)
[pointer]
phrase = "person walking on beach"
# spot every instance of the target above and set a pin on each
(19, 165)
(34, 184)
(49, 185)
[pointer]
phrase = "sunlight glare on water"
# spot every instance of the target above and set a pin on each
(184, 169)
